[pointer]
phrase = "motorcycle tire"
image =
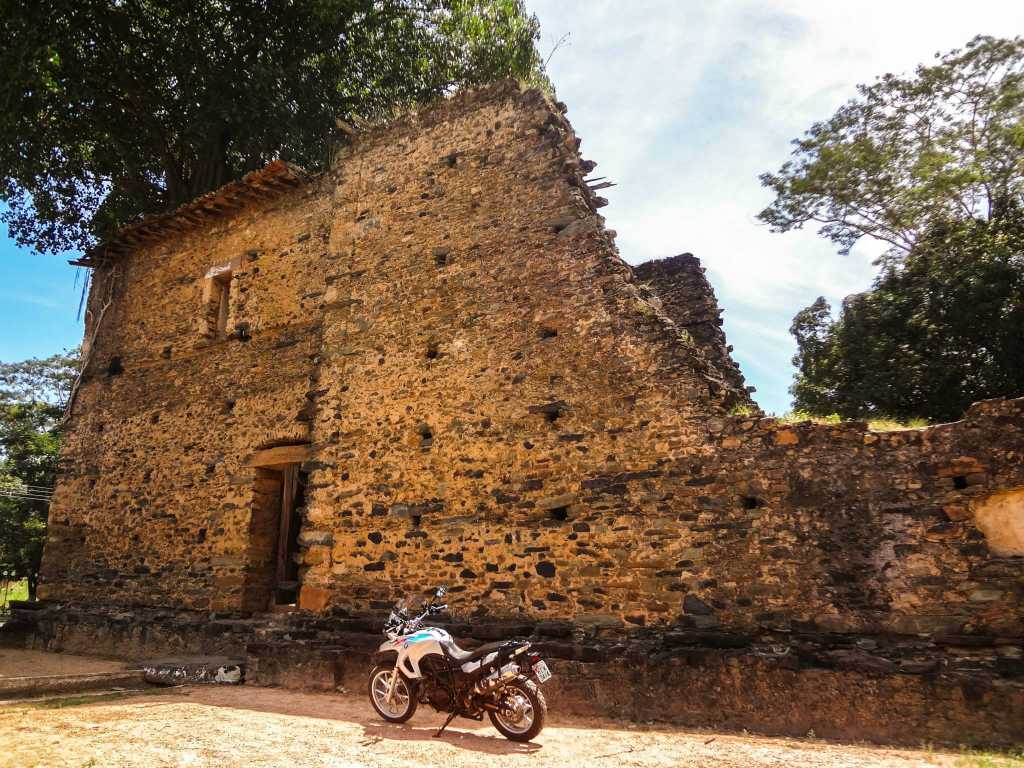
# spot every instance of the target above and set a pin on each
(405, 702)
(530, 720)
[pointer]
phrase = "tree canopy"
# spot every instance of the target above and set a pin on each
(933, 166)
(946, 144)
(114, 109)
(33, 394)
(937, 331)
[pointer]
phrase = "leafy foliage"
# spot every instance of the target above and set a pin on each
(932, 165)
(47, 380)
(32, 397)
(113, 109)
(937, 331)
(944, 145)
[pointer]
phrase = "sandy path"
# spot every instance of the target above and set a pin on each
(256, 727)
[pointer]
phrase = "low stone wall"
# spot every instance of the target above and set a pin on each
(898, 689)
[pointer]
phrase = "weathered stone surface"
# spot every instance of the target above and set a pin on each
(1001, 518)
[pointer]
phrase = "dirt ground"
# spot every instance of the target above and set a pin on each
(16, 662)
(226, 727)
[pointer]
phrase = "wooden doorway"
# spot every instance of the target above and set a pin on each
(279, 499)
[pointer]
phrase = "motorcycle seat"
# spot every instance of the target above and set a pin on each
(462, 656)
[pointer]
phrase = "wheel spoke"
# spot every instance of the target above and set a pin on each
(382, 685)
(515, 711)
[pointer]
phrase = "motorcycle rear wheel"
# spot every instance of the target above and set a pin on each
(522, 710)
(404, 704)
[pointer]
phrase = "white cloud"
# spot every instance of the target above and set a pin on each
(32, 298)
(684, 102)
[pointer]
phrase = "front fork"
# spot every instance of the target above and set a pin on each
(393, 685)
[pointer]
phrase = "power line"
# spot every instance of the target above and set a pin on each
(29, 496)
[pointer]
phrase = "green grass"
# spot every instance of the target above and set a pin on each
(881, 424)
(63, 702)
(15, 590)
(983, 759)
(889, 425)
(742, 410)
(77, 701)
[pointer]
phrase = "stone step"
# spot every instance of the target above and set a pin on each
(16, 688)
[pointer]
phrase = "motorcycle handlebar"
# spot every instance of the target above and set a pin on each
(402, 625)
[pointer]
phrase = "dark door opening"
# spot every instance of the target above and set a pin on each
(293, 499)
(273, 571)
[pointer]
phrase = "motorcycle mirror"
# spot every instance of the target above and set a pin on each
(441, 592)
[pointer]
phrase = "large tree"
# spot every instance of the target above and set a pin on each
(946, 144)
(113, 109)
(940, 329)
(933, 166)
(33, 395)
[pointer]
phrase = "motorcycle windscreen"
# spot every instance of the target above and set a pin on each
(413, 602)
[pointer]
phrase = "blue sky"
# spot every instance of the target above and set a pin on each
(682, 103)
(38, 303)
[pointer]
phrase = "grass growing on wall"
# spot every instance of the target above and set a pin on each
(881, 424)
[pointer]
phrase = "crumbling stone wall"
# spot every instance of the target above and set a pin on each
(688, 298)
(493, 399)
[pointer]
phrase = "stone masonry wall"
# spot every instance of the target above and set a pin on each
(154, 503)
(689, 299)
(493, 400)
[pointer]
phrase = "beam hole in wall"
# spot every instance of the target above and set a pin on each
(432, 350)
(960, 482)
(219, 303)
(417, 521)
(751, 502)
(426, 436)
(559, 513)
(547, 332)
(115, 367)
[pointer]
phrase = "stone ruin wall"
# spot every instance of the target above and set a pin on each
(153, 505)
(687, 297)
(495, 402)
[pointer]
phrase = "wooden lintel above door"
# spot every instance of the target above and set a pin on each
(282, 454)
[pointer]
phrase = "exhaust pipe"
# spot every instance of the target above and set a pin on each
(497, 679)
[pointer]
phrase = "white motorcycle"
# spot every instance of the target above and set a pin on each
(418, 664)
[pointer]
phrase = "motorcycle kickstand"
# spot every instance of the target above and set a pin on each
(451, 717)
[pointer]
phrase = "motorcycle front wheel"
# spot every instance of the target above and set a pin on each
(521, 711)
(403, 705)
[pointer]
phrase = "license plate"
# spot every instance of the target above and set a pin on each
(543, 673)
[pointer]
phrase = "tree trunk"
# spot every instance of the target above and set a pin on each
(186, 179)
(33, 584)
(210, 169)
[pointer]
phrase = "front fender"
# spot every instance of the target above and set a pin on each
(382, 657)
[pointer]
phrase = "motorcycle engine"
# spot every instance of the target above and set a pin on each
(437, 694)
(439, 697)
